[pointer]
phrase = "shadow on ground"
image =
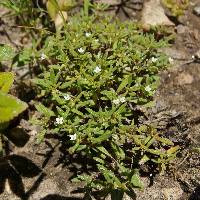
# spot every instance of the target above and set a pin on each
(59, 197)
(195, 194)
(14, 168)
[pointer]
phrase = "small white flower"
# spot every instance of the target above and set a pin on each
(119, 100)
(81, 50)
(136, 85)
(97, 40)
(87, 34)
(153, 59)
(128, 121)
(43, 56)
(73, 137)
(127, 68)
(171, 60)
(67, 97)
(59, 120)
(97, 69)
(122, 99)
(116, 101)
(147, 88)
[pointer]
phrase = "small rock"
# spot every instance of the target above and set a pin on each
(154, 14)
(181, 29)
(196, 10)
(196, 56)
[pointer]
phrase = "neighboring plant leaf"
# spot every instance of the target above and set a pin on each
(57, 10)
(6, 52)
(10, 107)
(52, 8)
(6, 81)
(60, 18)
(135, 180)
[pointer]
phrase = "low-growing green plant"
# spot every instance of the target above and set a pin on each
(30, 15)
(177, 7)
(96, 74)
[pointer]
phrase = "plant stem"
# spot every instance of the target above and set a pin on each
(1, 146)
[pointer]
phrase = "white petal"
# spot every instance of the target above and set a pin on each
(171, 60)
(67, 97)
(123, 99)
(148, 88)
(81, 50)
(87, 34)
(97, 69)
(153, 59)
(72, 137)
(43, 56)
(116, 101)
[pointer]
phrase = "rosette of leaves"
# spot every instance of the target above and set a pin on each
(95, 74)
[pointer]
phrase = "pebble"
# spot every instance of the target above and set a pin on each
(196, 10)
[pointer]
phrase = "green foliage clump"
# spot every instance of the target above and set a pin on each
(95, 75)
(177, 7)
(31, 15)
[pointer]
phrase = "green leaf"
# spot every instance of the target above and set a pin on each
(6, 52)
(99, 160)
(40, 136)
(52, 8)
(165, 141)
(77, 112)
(102, 138)
(43, 82)
(153, 151)
(6, 81)
(103, 150)
(44, 110)
(135, 180)
(10, 107)
(118, 151)
(127, 80)
(173, 150)
(84, 177)
(144, 159)
(108, 175)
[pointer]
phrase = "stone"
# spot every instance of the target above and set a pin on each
(196, 10)
(181, 29)
(153, 14)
